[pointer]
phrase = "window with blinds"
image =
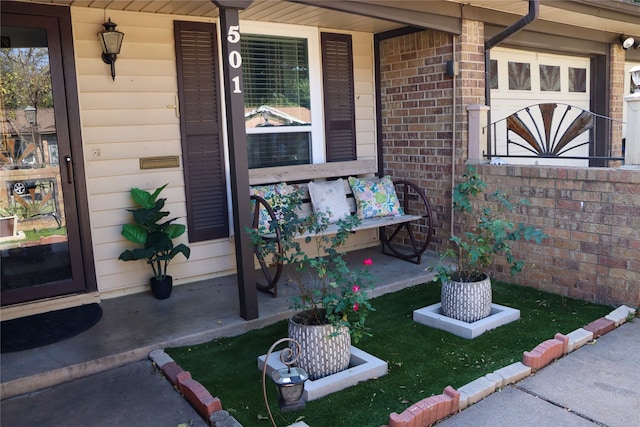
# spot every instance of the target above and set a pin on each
(275, 73)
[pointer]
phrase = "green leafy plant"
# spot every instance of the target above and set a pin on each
(4, 213)
(487, 233)
(329, 291)
(11, 210)
(154, 235)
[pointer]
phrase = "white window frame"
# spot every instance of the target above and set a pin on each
(312, 36)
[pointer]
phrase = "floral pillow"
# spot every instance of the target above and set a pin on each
(274, 194)
(330, 198)
(375, 197)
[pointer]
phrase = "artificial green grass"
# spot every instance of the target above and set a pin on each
(422, 360)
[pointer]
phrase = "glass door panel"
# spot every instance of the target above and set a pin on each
(37, 258)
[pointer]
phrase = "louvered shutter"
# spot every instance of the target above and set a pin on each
(339, 104)
(201, 129)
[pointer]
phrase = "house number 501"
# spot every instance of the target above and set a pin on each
(235, 59)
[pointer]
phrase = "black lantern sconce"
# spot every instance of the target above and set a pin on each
(290, 380)
(111, 41)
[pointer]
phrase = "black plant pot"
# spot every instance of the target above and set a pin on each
(162, 288)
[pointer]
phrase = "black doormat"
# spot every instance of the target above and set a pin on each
(47, 328)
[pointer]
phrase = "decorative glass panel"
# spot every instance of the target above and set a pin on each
(519, 76)
(493, 74)
(549, 78)
(577, 79)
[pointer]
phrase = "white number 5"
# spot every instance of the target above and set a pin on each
(233, 35)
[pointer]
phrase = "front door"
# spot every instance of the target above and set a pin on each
(40, 238)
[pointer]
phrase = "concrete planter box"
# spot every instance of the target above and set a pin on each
(9, 229)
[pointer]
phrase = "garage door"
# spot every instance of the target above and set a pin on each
(628, 89)
(522, 78)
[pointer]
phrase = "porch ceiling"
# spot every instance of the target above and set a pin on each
(597, 20)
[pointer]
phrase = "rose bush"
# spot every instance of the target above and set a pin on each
(329, 292)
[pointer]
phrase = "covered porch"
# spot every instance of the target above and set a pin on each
(132, 326)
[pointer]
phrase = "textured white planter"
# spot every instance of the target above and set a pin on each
(323, 352)
(466, 301)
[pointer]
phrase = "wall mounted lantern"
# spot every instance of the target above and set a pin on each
(629, 42)
(111, 41)
(635, 76)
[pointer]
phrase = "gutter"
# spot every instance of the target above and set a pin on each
(534, 13)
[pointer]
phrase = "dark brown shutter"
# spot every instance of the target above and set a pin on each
(339, 104)
(201, 129)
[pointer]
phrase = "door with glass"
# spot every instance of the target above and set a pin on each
(40, 248)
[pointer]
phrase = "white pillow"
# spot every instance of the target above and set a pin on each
(329, 197)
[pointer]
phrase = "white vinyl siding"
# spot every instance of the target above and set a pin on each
(133, 117)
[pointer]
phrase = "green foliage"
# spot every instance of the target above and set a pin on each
(5, 212)
(422, 360)
(487, 233)
(329, 291)
(26, 78)
(155, 237)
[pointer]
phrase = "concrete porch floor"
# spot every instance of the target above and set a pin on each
(134, 325)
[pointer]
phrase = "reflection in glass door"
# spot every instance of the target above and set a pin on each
(36, 257)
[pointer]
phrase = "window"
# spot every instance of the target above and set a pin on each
(284, 84)
(549, 78)
(493, 74)
(577, 79)
(277, 98)
(519, 76)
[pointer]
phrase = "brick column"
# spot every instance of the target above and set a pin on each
(616, 94)
(471, 81)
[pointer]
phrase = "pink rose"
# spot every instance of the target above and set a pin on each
(367, 261)
(355, 288)
(356, 307)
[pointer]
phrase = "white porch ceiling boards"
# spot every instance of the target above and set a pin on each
(597, 20)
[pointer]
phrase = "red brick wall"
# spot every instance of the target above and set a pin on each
(417, 110)
(593, 219)
(591, 215)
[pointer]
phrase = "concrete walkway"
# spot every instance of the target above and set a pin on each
(596, 385)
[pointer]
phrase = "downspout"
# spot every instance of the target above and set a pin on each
(534, 12)
(453, 125)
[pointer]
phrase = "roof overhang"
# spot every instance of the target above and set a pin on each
(585, 20)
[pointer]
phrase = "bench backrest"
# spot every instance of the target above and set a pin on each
(300, 175)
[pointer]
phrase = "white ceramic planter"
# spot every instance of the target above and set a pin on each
(323, 352)
(466, 301)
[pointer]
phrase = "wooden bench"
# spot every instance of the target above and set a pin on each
(417, 221)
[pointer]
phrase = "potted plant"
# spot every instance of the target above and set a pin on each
(331, 301)
(487, 233)
(155, 235)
